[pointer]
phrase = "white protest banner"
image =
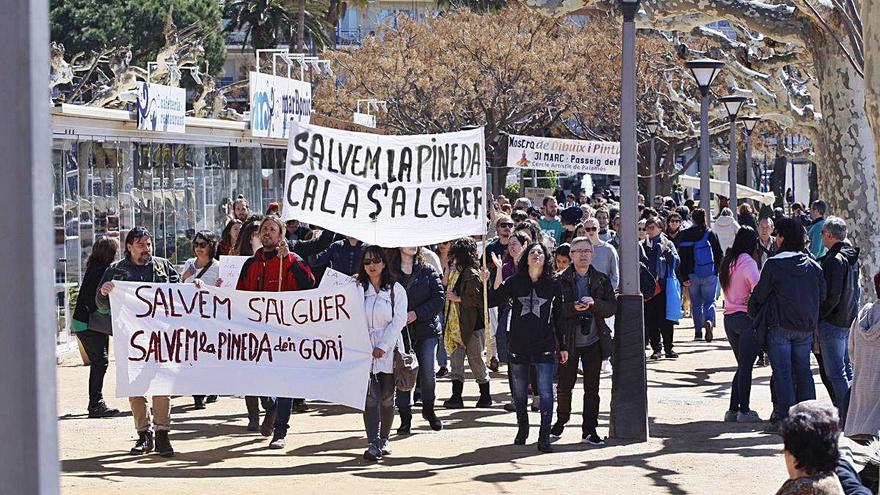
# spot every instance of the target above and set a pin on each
(335, 279)
(230, 269)
(178, 339)
(161, 108)
(275, 102)
(387, 190)
(564, 155)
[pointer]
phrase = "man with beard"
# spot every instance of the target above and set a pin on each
(139, 265)
(275, 269)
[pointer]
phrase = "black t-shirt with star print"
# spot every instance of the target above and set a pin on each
(536, 324)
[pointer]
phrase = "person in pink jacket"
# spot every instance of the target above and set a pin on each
(738, 275)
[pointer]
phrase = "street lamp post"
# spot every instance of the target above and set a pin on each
(629, 383)
(733, 104)
(749, 122)
(652, 126)
(705, 70)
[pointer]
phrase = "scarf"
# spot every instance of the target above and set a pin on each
(452, 333)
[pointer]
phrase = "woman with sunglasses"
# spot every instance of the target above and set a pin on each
(203, 267)
(385, 304)
(536, 328)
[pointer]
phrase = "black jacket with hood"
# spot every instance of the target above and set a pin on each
(840, 265)
(789, 292)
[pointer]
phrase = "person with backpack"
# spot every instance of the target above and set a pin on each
(701, 256)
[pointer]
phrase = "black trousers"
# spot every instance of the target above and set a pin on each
(590, 359)
(96, 345)
(656, 324)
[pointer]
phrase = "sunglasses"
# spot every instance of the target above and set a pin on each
(642, 230)
(368, 262)
(591, 229)
(505, 225)
(200, 244)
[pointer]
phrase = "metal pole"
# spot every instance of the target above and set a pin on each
(734, 161)
(27, 356)
(705, 193)
(652, 182)
(629, 389)
(750, 171)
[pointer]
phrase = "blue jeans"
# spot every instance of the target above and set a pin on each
(835, 359)
(744, 343)
(282, 407)
(425, 350)
(702, 292)
(502, 336)
(789, 353)
(442, 358)
(519, 385)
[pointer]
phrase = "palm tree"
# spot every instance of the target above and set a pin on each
(267, 22)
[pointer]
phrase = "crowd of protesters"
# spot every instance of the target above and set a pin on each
(789, 286)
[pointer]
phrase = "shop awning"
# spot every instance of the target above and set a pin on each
(722, 187)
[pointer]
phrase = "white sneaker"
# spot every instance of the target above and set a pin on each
(606, 366)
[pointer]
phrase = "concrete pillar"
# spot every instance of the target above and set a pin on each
(29, 448)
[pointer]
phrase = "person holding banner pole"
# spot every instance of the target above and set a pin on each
(139, 265)
(465, 321)
(425, 298)
(385, 305)
(275, 268)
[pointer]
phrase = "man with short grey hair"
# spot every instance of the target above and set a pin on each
(840, 266)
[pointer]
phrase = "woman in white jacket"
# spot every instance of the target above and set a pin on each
(385, 307)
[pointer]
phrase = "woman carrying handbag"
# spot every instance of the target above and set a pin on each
(385, 305)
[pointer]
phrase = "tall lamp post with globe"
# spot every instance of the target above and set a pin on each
(705, 70)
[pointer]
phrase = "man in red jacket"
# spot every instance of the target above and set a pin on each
(275, 269)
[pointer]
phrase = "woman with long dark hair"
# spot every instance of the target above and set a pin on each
(385, 304)
(739, 274)
(425, 296)
(229, 237)
(92, 326)
(536, 327)
(248, 241)
(464, 317)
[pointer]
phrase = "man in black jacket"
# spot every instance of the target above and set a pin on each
(786, 303)
(139, 265)
(840, 266)
(587, 300)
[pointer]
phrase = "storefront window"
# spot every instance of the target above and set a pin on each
(104, 186)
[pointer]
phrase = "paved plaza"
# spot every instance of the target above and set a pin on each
(690, 451)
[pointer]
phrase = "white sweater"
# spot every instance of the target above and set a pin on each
(384, 322)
